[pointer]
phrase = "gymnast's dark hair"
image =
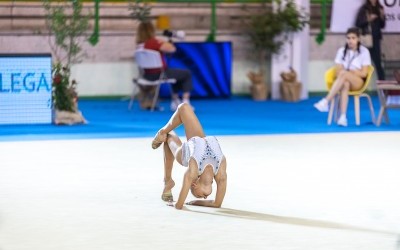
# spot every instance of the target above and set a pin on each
(355, 31)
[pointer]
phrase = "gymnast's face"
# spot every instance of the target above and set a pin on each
(352, 40)
(201, 190)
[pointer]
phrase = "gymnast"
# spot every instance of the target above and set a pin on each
(201, 155)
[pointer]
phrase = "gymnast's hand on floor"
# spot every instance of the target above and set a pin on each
(171, 204)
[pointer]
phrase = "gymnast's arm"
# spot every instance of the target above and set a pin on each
(188, 178)
(221, 180)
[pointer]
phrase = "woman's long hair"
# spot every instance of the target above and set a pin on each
(355, 31)
(145, 31)
(373, 9)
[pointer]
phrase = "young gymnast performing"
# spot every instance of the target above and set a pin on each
(201, 154)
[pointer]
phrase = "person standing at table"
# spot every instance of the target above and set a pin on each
(371, 19)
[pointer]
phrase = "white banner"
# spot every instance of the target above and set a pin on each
(25, 89)
(344, 13)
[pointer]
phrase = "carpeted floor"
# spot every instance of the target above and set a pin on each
(234, 116)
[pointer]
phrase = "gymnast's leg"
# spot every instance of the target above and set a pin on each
(183, 115)
(172, 145)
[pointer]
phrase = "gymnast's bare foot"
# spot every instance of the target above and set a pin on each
(159, 139)
(167, 194)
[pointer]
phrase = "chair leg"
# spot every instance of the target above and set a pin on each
(383, 110)
(371, 108)
(132, 97)
(337, 108)
(153, 105)
(357, 109)
(382, 113)
(386, 116)
(331, 110)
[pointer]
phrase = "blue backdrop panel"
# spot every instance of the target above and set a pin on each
(210, 64)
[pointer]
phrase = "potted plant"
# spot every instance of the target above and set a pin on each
(295, 19)
(67, 33)
(269, 30)
(140, 11)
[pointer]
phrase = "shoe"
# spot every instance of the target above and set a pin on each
(158, 140)
(322, 105)
(167, 197)
(175, 104)
(342, 121)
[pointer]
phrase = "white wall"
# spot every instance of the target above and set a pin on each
(109, 67)
(96, 79)
(316, 71)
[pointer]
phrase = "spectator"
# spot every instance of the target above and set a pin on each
(371, 18)
(352, 62)
(146, 37)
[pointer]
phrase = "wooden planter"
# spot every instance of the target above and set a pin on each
(290, 88)
(290, 91)
(259, 92)
(258, 88)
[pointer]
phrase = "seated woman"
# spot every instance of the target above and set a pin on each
(146, 37)
(201, 154)
(352, 62)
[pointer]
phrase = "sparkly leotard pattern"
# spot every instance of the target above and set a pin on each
(205, 151)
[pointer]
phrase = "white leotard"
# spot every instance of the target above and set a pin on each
(205, 151)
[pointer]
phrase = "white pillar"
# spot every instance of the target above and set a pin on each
(281, 62)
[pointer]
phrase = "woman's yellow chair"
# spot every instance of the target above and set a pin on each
(330, 76)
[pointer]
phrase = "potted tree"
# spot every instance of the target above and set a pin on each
(269, 30)
(295, 19)
(67, 33)
(140, 11)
